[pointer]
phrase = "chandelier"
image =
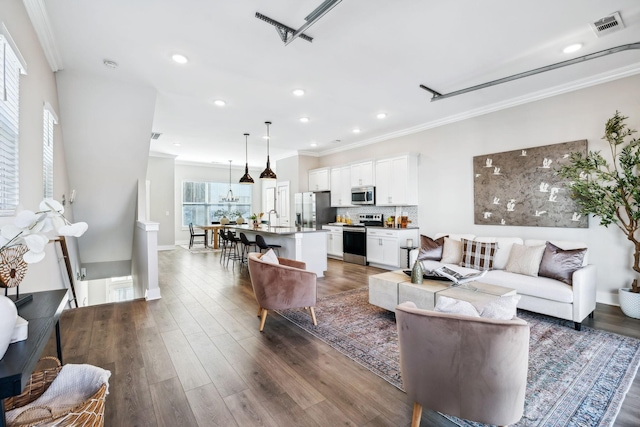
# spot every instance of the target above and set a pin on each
(230, 197)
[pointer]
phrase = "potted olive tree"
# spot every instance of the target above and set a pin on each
(612, 193)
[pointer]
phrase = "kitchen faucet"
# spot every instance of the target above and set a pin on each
(269, 215)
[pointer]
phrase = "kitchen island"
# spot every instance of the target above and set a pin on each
(300, 243)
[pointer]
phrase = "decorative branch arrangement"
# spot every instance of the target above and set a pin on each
(611, 191)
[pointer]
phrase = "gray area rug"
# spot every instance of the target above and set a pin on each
(575, 378)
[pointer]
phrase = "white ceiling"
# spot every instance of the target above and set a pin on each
(367, 56)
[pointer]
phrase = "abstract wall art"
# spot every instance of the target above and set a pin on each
(521, 188)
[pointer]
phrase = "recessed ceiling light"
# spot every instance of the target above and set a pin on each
(572, 48)
(180, 59)
(381, 115)
(298, 92)
(177, 144)
(219, 102)
(356, 130)
(110, 64)
(313, 144)
(304, 119)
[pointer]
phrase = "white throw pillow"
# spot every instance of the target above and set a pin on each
(525, 259)
(451, 251)
(455, 306)
(270, 257)
(503, 308)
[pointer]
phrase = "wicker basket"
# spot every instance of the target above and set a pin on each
(88, 414)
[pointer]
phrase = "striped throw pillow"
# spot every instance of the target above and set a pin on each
(478, 255)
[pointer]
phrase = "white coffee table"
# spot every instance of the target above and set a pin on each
(389, 289)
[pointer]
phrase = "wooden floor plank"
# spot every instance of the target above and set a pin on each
(208, 407)
(130, 393)
(248, 410)
(157, 361)
(186, 363)
(303, 393)
(225, 379)
(170, 404)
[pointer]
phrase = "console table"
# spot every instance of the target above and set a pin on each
(43, 314)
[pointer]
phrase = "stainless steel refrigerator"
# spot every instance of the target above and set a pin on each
(313, 210)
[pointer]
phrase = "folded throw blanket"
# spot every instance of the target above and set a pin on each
(73, 386)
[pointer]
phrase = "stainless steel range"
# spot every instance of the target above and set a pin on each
(354, 238)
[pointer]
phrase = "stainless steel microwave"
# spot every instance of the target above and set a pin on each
(363, 195)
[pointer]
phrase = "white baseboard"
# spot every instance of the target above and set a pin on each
(166, 247)
(608, 298)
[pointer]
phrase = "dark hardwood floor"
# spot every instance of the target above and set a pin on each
(196, 358)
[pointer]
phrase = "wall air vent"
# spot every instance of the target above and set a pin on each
(608, 24)
(155, 135)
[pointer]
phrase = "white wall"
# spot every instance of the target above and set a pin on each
(446, 172)
(161, 176)
(107, 127)
(36, 88)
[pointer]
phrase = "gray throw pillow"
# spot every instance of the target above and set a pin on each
(560, 264)
(430, 249)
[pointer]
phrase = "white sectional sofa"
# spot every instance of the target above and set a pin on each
(538, 294)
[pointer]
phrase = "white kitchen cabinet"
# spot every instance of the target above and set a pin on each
(362, 174)
(319, 179)
(397, 181)
(341, 186)
(334, 241)
(383, 246)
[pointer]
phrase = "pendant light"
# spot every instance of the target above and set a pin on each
(268, 173)
(230, 198)
(246, 178)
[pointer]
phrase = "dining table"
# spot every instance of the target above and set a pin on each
(214, 228)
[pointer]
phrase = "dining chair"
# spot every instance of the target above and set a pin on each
(194, 235)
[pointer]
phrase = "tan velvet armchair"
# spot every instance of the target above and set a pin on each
(281, 286)
(471, 368)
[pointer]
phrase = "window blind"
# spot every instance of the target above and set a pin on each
(9, 118)
(49, 120)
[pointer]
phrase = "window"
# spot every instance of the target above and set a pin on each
(49, 119)
(11, 66)
(202, 202)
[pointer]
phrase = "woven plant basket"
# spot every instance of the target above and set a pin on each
(88, 414)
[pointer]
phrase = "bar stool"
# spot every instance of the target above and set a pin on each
(265, 246)
(246, 245)
(223, 244)
(232, 250)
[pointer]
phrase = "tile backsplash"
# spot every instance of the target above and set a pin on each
(386, 211)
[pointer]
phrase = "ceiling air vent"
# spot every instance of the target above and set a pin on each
(155, 135)
(608, 24)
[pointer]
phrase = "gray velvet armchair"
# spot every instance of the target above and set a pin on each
(281, 286)
(471, 368)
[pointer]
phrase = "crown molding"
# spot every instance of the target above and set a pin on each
(163, 155)
(598, 79)
(40, 20)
